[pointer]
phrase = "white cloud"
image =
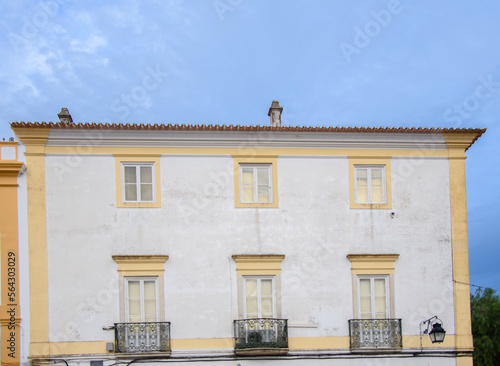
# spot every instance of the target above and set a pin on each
(90, 46)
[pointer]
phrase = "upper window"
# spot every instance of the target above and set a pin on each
(255, 182)
(137, 181)
(370, 183)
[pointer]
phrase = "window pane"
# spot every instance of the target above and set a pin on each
(376, 176)
(267, 306)
(130, 174)
(365, 304)
(134, 308)
(134, 319)
(362, 194)
(263, 193)
(134, 289)
(252, 305)
(247, 175)
(146, 174)
(362, 176)
(251, 287)
(266, 287)
(146, 192)
(380, 286)
(263, 176)
(247, 193)
(364, 287)
(380, 305)
(377, 194)
(150, 309)
(150, 289)
(130, 192)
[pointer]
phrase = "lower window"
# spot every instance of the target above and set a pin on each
(373, 292)
(141, 300)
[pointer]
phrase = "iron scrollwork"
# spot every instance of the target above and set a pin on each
(375, 333)
(142, 337)
(261, 333)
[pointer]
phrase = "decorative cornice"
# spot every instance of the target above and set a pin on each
(10, 169)
(32, 136)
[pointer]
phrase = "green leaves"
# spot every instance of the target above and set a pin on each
(485, 313)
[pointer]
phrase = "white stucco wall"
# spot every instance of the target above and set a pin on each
(199, 229)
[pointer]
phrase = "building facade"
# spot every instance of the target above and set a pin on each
(242, 245)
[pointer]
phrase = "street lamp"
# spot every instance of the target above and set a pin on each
(436, 334)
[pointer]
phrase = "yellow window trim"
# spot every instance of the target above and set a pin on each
(258, 265)
(272, 160)
(372, 263)
(140, 265)
(132, 158)
(386, 161)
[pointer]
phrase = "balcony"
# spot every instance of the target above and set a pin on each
(142, 337)
(374, 334)
(261, 336)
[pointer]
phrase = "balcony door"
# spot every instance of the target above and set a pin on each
(142, 313)
(373, 297)
(260, 305)
(142, 300)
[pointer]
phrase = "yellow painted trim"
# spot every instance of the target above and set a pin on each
(273, 161)
(131, 158)
(10, 310)
(459, 237)
(140, 265)
(252, 152)
(202, 343)
(258, 265)
(375, 160)
(372, 263)
(34, 141)
(295, 343)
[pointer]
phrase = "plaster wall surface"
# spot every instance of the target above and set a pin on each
(199, 228)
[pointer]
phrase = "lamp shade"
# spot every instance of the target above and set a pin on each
(437, 333)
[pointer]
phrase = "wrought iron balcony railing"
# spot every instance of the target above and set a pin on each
(375, 333)
(261, 333)
(142, 337)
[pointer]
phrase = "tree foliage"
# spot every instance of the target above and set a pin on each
(485, 312)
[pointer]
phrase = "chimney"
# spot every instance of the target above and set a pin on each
(64, 116)
(275, 113)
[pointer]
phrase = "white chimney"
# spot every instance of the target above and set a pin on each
(275, 113)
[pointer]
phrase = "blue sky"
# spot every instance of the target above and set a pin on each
(363, 63)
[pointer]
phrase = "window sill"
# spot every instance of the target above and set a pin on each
(256, 205)
(139, 204)
(372, 206)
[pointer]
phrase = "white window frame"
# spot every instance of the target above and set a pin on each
(141, 280)
(369, 169)
(372, 279)
(255, 184)
(259, 306)
(137, 166)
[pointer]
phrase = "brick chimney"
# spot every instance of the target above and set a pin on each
(275, 113)
(64, 116)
